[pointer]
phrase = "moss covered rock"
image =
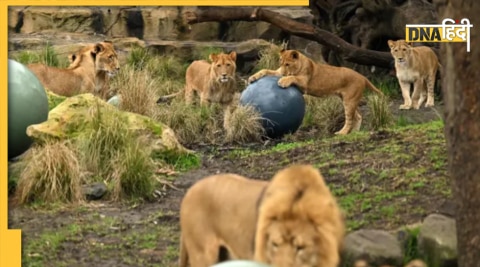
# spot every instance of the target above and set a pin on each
(77, 114)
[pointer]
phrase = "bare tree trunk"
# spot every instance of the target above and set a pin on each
(461, 90)
(349, 52)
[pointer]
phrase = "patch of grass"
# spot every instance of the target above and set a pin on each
(50, 172)
(380, 114)
(326, 114)
(403, 121)
(118, 157)
(244, 125)
(47, 56)
(138, 90)
(181, 163)
(269, 58)
(138, 58)
(389, 86)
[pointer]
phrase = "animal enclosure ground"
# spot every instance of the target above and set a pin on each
(383, 180)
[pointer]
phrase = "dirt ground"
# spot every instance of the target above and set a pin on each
(383, 180)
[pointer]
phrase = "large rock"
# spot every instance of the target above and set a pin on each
(75, 115)
(379, 246)
(437, 240)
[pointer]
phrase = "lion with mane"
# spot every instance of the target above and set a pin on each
(291, 221)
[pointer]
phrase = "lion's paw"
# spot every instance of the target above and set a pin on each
(405, 107)
(284, 83)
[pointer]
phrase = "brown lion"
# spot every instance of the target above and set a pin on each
(80, 76)
(321, 79)
(299, 221)
(106, 64)
(218, 213)
(417, 66)
(292, 221)
(214, 82)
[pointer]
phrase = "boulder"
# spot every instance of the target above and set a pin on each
(379, 246)
(437, 240)
(75, 115)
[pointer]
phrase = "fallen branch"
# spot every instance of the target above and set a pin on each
(348, 51)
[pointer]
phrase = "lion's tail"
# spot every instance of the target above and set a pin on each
(167, 98)
(372, 87)
(183, 258)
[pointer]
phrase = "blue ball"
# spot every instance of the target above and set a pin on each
(240, 263)
(27, 105)
(282, 109)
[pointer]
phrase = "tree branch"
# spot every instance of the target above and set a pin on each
(348, 51)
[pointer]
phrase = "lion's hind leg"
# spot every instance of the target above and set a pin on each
(350, 97)
(203, 254)
(358, 121)
(430, 81)
(188, 94)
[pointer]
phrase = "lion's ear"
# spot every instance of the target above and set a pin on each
(409, 43)
(295, 55)
(213, 57)
(233, 55)
(391, 43)
(98, 48)
(72, 57)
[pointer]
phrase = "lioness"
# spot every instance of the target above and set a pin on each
(214, 82)
(417, 65)
(80, 76)
(106, 65)
(298, 223)
(320, 80)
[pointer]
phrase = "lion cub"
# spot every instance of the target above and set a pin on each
(321, 79)
(417, 66)
(292, 221)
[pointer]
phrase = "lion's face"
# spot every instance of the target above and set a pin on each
(292, 243)
(224, 66)
(290, 62)
(400, 50)
(103, 53)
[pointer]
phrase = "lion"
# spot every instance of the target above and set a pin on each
(412, 263)
(322, 79)
(291, 221)
(107, 66)
(417, 66)
(80, 76)
(214, 82)
(218, 213)
(299, 221)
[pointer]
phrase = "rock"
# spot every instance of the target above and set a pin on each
(437, 240)
(379, 246)
(74, 115)
(54, 99)
(94, 191)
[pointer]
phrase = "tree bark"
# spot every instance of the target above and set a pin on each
(348, 51)
(461, 90)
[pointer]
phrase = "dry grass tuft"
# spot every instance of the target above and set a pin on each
(51, 172)
(324, 114)
(244, 125)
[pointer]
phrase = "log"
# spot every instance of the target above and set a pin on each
(348, 51)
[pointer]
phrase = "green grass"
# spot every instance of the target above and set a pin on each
(47, 56)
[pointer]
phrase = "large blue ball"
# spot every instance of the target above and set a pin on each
(27, 105)
(240, 263)
(283, 109)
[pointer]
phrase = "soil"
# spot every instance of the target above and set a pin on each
(383, 180)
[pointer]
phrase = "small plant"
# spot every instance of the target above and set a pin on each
(166, 68)
(244, 125)
(47, 56)
(325, 114)
(138, 58)
(138, 90)
(269, 57)
(380, 114)
(50, 172)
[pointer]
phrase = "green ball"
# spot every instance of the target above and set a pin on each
(240, 263)
(27, 105)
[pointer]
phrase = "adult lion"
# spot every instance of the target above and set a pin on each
(107, 66)
(417, 66)
(320, 80)
(292, 221)
(81, 76)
